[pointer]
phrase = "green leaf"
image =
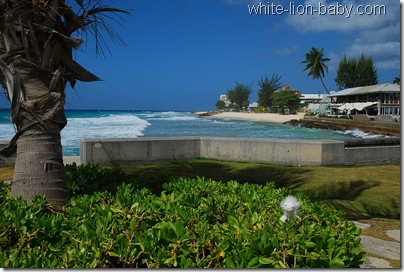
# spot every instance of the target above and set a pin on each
(179, 229)
(229, 263)
(314, 255)
(232, 221)
(112, 254)
(265, 260)
(54, 249)
(337, 263)
(253, 263)
(254, 218)
(331, 242)
(116, 210)
(310, 244)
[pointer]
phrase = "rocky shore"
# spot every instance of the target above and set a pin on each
(384, 128)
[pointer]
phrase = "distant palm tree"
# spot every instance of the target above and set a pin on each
(315, 63)
(36, 62)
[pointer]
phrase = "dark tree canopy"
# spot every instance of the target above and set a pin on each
(397, 80)
(239, 95)
(220, 105)
(354, 72)
(266, 88)
(289, 99)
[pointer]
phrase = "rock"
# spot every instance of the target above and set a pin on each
(395, 234)
(390, 250)
(372, 262)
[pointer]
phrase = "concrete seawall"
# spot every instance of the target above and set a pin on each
(277, 151)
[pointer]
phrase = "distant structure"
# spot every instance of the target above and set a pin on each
(253, 105)
(379, 99)
(223, 97)
(310, 98)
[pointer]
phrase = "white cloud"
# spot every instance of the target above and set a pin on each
(377, 36)
(326, 20)
(388, 64)
(374, 49)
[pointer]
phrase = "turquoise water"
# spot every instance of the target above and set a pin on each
(133, 124)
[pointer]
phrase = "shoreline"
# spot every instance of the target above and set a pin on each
(255, 117)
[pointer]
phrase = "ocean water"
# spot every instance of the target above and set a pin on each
(133, 124)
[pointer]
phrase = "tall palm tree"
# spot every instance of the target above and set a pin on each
(36, 63)
(315, 63)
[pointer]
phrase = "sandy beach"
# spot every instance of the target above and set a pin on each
(257, 117)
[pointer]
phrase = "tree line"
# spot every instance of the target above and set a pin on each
(351, 72)
(269, 96)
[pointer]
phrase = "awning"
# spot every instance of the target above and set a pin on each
(358, 105)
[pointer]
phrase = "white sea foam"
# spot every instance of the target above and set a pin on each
(169, 116)
(7, 131)
(111, 126)
(362, 134)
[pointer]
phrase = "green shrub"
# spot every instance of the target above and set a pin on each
(192, 223)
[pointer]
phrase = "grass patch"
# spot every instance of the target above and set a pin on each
(6, 173)
(361, 191)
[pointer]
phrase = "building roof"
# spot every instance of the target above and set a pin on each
(253, 105)
(311, 96)
(379, 88)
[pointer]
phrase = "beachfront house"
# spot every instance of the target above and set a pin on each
(223, 97)
(380, 99)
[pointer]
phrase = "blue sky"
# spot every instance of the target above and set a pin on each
(182, 54)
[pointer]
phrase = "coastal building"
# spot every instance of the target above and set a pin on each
(223, 97)
(253, 105)
(380, 99)
(310, 98)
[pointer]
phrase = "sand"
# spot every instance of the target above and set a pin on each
(258, 117)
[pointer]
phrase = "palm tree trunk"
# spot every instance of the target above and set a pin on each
(39, 168)
(322, 82)
(39, 117)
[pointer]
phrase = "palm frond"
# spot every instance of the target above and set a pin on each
(79, 71)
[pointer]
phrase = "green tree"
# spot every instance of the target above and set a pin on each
(266, 88)
(286, 99)
(239, 95)
(220, 105)
(315, 63)
(36, 63)
(397, 80)
(354, 72)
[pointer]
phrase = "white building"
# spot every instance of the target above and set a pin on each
(310, 98)
(223, 97)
